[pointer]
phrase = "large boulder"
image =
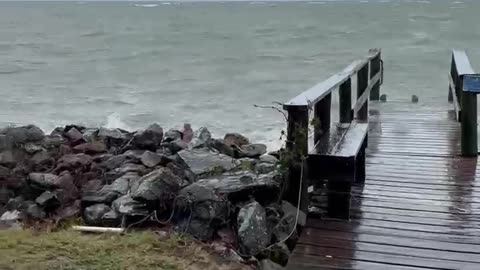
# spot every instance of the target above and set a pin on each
(93, 215)
(286, 226)
(252, 228)
(253, 150)
(44, 180)
(235, 139)
(150, 159)
(240, 186)
(200, 139)
(204, 161)
(114, 162)
(74, 136)
(124, 169)
(149, 139)
(172, 135)
(157, 188)
(108, 193)
(127, 206)
(91, 148)
(74, 162)
(183, 172)
(204, 203)
(196, 228)
(33, 211)
(48, 201)
(113, 137)
(268, 159)
(11, 220)
(24, 134)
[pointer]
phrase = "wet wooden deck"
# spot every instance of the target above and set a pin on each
(419, 207)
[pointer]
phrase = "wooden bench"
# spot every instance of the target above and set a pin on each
(339, 158)
(338, 152)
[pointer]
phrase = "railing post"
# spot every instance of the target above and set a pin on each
(375, 67)
(297, 148)
(322, 117)
(469, 140)
(362, 84)
(345, 101)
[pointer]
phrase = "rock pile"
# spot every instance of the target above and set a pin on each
(221, 190)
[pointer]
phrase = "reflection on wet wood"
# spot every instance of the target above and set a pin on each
(419, 207)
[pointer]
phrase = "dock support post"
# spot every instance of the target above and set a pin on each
(375, 66)
(345, 101)
(297, 148)
(469, 124)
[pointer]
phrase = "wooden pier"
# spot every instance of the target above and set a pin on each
(401, 194)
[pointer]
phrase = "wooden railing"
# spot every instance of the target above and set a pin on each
(464, 85)
(317, 100)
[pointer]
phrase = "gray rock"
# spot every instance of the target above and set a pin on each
(93, 215)
(268, 159)
(73, 161)
(175, 146)
(291, 211)
(205, 204)
(172, 135)
(269, 265)
(150, 159)
(5, 142)
(149, 139)
(48, 200)
(114, 162)
(240, 186)
(24, 134)
(235, 139)
(383, 98)
(33, 148)
(157, 188)
(252, 228)
(200, 139)
(68, 212)
(263, 168)
(134, 155)
(11, 219)
(12, 157)
(111, 218)
(113, 137)
(52, 142)
(45, 180)
(41, 157)
(223, 148)
(123, 184)
(35, 212)
(5, 195)
(14, 203)
(90, 134)
(253, 150)
(91, 148)
(126, 205)
(74, 136)
(92, 185)
(204, 161)
(124, 169)
(101, 196)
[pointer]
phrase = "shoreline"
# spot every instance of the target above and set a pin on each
(224, 191)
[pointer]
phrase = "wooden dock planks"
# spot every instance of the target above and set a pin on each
(419, 207)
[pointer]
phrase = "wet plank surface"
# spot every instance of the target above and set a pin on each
(419, 207)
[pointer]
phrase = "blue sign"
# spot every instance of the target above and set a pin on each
(471, 83)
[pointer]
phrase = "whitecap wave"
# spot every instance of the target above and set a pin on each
(146, 5)
(115, 121)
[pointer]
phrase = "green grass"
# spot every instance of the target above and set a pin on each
(66, 249)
